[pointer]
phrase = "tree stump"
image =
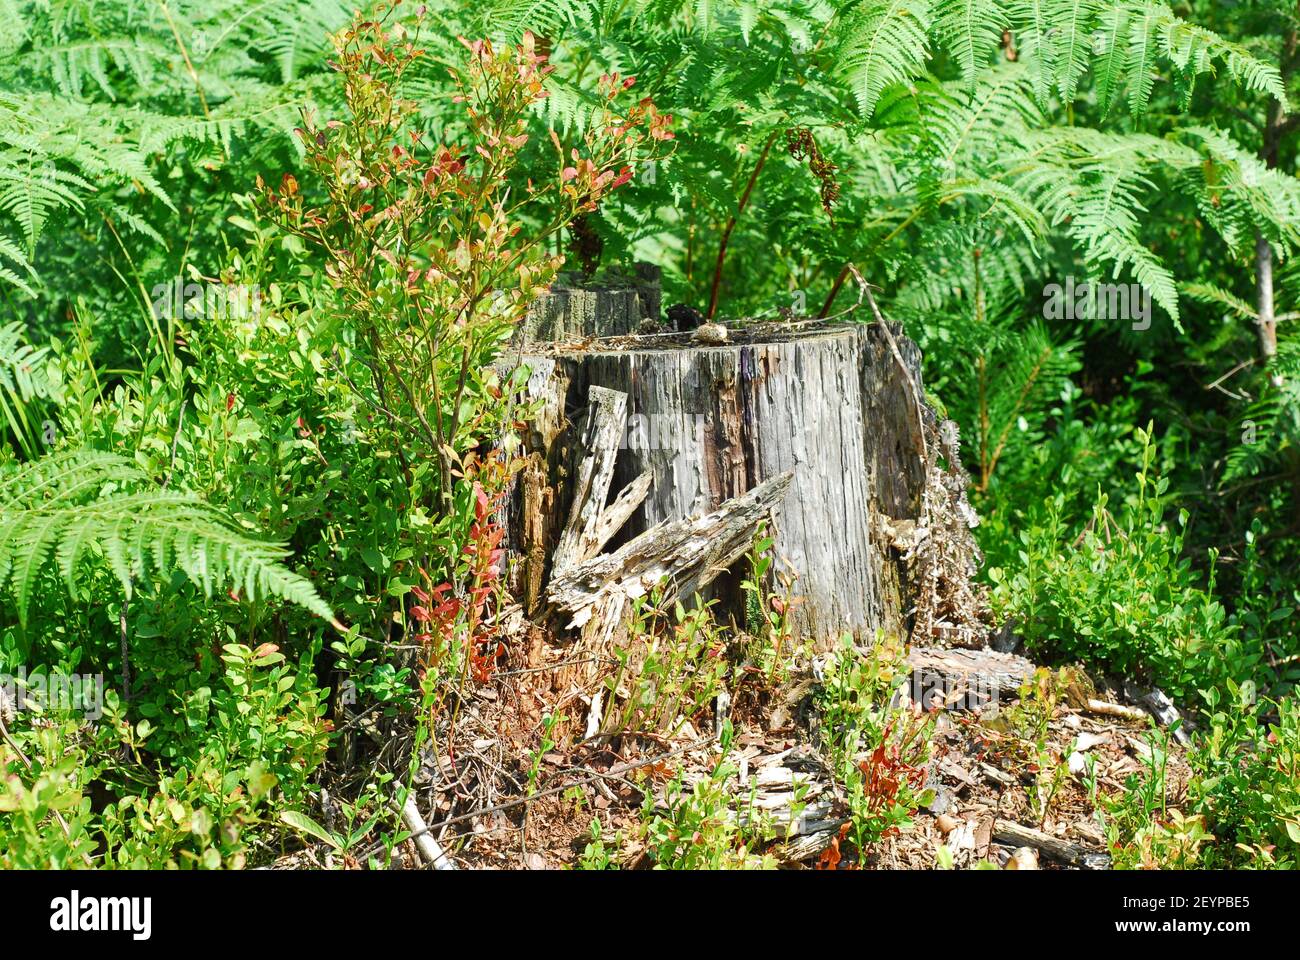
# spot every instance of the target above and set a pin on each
(839, 406)
(616, 303)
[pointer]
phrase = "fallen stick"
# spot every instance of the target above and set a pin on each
(424, 842)
(1053, 848)
(1106, 708)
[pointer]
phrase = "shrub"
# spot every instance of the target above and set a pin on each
(423, 241)
(1246, 780)
(877, 748)
(253, 745)
(698, 828)
(1119, 593)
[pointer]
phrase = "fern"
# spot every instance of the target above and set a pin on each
(971, 30)
(882, 43)
(1075, 19)
(1037, 39)
(1246, 194)
(1107, 225)
(1270, 425)
(1210, 294)
(1019, 377)
(23, 378)
(98, 96)
(511, 18)
(1113, 53)
(67, 510)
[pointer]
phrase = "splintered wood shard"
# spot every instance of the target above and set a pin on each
(685, 555)
(611, 520)
(966, 679)
(590, 524)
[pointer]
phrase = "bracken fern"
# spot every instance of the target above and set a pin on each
(73, 509)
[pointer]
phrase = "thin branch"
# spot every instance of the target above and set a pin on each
(731, 223)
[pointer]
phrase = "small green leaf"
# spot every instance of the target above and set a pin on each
(305, 824)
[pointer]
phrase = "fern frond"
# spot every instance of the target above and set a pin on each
(1209, 293)
(88, 507)
(971, 30)
(1075, 19)
(23, 378)
(882, 43)
(1271, 424)
(1247, 194)
(510, 18)
(1110, 43)
(1036, 36)
(17, 260)
(1140, 61)
(978, 126)
(1107, 224)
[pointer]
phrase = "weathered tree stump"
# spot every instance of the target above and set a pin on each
(616, 303)
(838, 406)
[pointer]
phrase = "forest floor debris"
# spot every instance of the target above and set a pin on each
(1014, 784)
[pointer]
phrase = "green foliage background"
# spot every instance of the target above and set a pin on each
(982, 150)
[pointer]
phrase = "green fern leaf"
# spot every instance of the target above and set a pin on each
(883, 43)
(971, 30)
(85, 507)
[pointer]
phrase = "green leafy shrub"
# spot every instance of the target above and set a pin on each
(1242, 805)
(182, 801)
(1246, 780)
(422, 239)
(698, 826)
(876, 747)
(1120, 594)
(46, 821)
(671, 669)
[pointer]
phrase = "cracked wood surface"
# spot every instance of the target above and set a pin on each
(684, 555)
(833, 404)
(706, 424)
